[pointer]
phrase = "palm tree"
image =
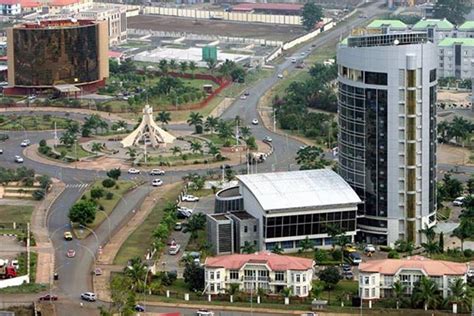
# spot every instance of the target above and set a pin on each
(175, 150)
(317, 290)
(163, 65)
(429, 232)
(211, 123)
(459, 294)
(426, 291)
(137, 272)
(131, 152)
(192, 66)
(233, 289)
(431, 247)
(224, 130)
(173, 65)
(195, 118)
(211, 65)
(245, 131)
(306, 244)
(164, 117)
(96, 147)
(399, 291)
(183, 66)
(277, 250)
(122, 124)
(248, 248)
(286, 292)
(196, 146)
(213, 150)
(67, 139)
(195, 223)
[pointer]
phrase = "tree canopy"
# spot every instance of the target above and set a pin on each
(452, 10)
(83, 212)
(311, 14)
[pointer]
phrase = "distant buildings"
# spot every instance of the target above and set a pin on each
(10, 7)
(283, 208)
(387, 138)
(376, 277)
(265, 270)
(62, 56)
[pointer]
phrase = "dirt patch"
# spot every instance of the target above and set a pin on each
(453, 155)
(222, 28)
(448, 96)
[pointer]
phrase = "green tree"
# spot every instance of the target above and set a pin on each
(330, 276)
(164, 117)
(277, 250)
(122, 296)
(452, 186)
(459, 294)
(131, 152)
(311, 157)
(211, 123)
(195, 119)
(136, 271)
(441, 242)
(67, 139)
(173, 65)
(245, 132)
(429, 232)
(83, 212)
(319, 256)
(398, 290)
(175, 150)
(163, 65)
(426, 292)
(194, 276)
(196, 146)
(213, 150)
(233, 288)
(229, 175)
(310, 15)
(224, 129)
(195, 223)
(96, 147)
(452, 10)
(114, 173)
(122, 124)
(97, 193)
(306, 244)
(470, 185)
(192, 66)
(463, 231)
(248, 248)
(286, 292)
(183, 66)
(211, 65)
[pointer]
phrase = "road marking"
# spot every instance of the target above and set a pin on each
(77, 185)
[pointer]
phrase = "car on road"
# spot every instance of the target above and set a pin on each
(346, 267)
(254, 122)
(204, 312)
(293, 60)
(185, 209)
(25, 143)
(182, 215)
(67, 236)
(349, 248)
(48, 297)
(19, 159)
(133, 171)
(157, 172)
(190, 198)
(157, 182)
(1, 151)
(246, 93)
(280, 76)
(89, 296)
(178, 226)
(139, 308)
(71, 253)
(4, 137)
(243, 97)
(267, 139)
(459, 201)
(355, 258)
(369, 248)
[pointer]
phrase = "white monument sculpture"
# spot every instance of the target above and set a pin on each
(148, 132)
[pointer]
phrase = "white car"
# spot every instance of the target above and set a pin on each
(470, 272)
(157, 172)
(185, 210)
(133, 171)
(190, 198)
(88, 296)
(243, 97)
(254, 122)
(280, 76)
(1, 151)
(459, 201)
(369, 248)
(293, 60)
(25, 143)
(267, 139)
(174, 249)
(157, 182)
(204, 312)
(18, 159)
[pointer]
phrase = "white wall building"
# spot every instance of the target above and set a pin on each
(455, 57)
(387, 137)
(264, 270)
(376, 277)
(10, 7)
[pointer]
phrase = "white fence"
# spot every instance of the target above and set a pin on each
(14, 281)
(306, 37)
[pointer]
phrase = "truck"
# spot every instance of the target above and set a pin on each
(7, 271)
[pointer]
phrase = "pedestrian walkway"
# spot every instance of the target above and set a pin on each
(77, 185)
(45, 261)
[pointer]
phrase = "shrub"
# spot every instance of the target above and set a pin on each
(337, 254)
(42, 143)
(39, 194)
(109, 195)
(97, 193)
(393, 254)
(385, 248)
(108, 183)
(468, 253)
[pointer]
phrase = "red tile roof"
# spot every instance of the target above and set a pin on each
(113, 54)
(61, 3)
(274, 261)
(268, 6)
(9, 2)
(431, 267)
(29, 4)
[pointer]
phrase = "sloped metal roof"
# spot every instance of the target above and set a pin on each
(299, 189)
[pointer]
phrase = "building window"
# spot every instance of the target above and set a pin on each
(298, 290)
(279, 276)
(254, 228)
(366, 280)
(211, 275)
(212, 287)
(246, 229)
(304, 277)
(218, 275)
(433, 75)
(373, 292)
(234, 274)
(366, 293)
(304, 290)
(388, 280)
(377, 78)
(218, 287)
(297, 278)
(287, 244)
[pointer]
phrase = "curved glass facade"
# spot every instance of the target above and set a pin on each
(228, 200)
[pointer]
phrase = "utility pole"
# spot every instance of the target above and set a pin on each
(274, 120)
(28, 251)
(55, 135)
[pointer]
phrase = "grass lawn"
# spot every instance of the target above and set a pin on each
(73, 151)
(138, 242)
(123, 187)
(236, 89)
(22, 258)
(15, 213)
(180, 116)
(34, 123)
(216, 140)
(24, 289)
(196, 243)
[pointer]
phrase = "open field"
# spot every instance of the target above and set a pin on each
(32, 122)
(234, 29)
(15, 213)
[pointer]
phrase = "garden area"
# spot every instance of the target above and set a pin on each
(32, 122)
(98, 202)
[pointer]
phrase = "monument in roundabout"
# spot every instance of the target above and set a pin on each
(148, 132)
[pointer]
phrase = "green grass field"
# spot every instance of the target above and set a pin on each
(32, 123)
(15, 213)
(141, 239)
(73, 151)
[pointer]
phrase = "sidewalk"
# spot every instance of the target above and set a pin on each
(44, 248)
(106, 258)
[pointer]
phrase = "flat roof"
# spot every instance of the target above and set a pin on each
(66, 88)
(450, 41)
(219, 217)
(242, 215)
(440, 24)
(395, 24)
(299, 189)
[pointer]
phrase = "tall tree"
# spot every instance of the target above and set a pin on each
(195, 223)
(464, 230)
(453, 10)
(137, 271)
(311, 157)
(459, 294)
(399, 291)
(194, 276)
(248, 248)
(183, 66)
(211, 123)
(195, 119)
(311, 14)
(192, 66)
(426, 292)
(83, 212)
(164, 117)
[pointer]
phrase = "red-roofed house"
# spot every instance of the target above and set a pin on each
(264, 270)
(10, 7)
(376, 277)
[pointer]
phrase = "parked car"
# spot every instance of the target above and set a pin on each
(186, 210)
(174, 249)
(190, 198)
(254, 122)
(178, 226)
(355, 258)
(348, 275)
(293, 60)
(157, 172)
(225, 166)
(25, 143)
(48, 297)
(280, 76)
(19, 159)
(243, 97)
(67, 236)
(246, 93)
(346, 267)
(133, 171)
(204, 312)
(182, 215)
(459, 201)
(71, 253)
(369, 248)
(89, 296)
(349, 248)
(157, 182)
(470, 272)
(267, 139)
(139, 308)
(1, 151)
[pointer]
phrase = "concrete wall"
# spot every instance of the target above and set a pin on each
(14, 281)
